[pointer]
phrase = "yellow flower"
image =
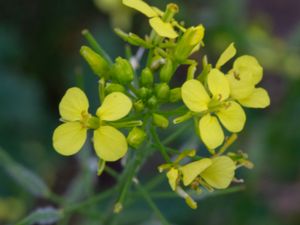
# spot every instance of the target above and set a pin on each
(198, 100)
(163, 29)
(217, 172)
(243, 78)
(109, 143)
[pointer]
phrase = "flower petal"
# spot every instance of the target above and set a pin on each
(115, 106)
(211, 131)
(69, 137)
(218, 84)
(241, 85)
(258, 99)
(250, 64)
(220, 174)
(109, 143)
(172, 176)
(228, 54)
(194, 95)
(73, 105)
(162, 28)
(192, 170)
(232, 116)
(140, 6)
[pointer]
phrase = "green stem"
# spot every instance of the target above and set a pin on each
(161, 147)
(95, 45)
(151, 204)
(176, 133)
(101, 89)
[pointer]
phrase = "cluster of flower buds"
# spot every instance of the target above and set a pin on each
(133, 98)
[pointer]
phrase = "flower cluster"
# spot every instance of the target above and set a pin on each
(134, 97)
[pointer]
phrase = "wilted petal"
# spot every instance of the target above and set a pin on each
(172, 176)
(228, 54)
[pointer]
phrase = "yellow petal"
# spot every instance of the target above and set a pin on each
(228, 54)
(109, 143)
(192, 170)
(115, 106)
(211, 131)
(258, 99)
(140, 6)
(68, 138)
(248, 63)
(218, 84)
(73, 105)
(232, 116)
(241, 85)
(162, 28)
(194, 95)
(220, 174)
(172, 176)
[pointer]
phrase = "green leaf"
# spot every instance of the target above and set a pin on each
(46, 215)
(24, 177)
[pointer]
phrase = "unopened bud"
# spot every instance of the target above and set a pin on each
(139, 106)
(166, 71)
(136, 137)
(146, 77)
(114, 88)
(160, 120)
(175, 95)
(190, 39)
(144, 92)
(122, 71)
(162, 91)
(97, 63)
(152, 102)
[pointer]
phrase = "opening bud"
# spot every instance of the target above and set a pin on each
(190, 39)
(160, 120)
(97, 63)
(136, 137)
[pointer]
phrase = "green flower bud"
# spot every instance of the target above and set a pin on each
(114, 88)
(136, 137)
(152, 102)
(144, 92)
(175, 95)
(160, 120)
(190, 39)
(166, 71)
(122, 71)
(147, 77)
(97, 63)
(133, 39)
(139, 105)
(162, 91)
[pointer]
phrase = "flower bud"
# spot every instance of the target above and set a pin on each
(190, 39)
(139, 105)
(136, 137)
(152, 102)
(144, 92)
(175, 95)
(160, 120)
(146, 77)
(122, 71)
(114, 88)
(162, 91)
(166, 71)
(97, 63)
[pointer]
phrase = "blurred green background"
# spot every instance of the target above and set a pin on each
(39, 60)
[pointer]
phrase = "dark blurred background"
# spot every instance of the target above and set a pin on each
(39, 60)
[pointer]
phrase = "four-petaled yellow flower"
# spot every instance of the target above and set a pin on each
(109, 143)
(163, 29)
(217, 102)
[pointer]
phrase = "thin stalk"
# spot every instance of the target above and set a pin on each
(151, 204)
(160, 145)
